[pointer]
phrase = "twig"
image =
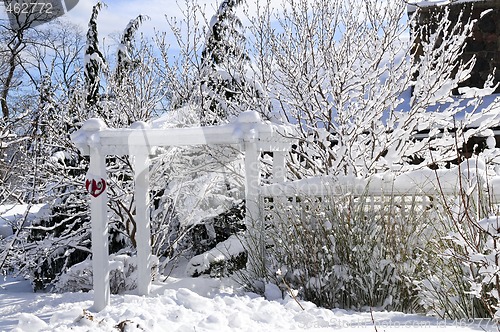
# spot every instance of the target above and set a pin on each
(290, 291)
(373, 320)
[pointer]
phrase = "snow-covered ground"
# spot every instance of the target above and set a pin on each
(197, 304)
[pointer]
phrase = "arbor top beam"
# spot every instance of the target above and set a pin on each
(248, 127)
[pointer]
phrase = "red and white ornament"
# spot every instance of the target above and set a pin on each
(95, 187)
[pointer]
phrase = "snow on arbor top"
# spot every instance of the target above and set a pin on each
(251, 116)
(248, 126)
(412, 5)
(84, 136)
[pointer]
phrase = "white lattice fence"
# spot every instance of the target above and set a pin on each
(401, 195)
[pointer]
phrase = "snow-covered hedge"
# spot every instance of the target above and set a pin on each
(348, 252)
(414, 250)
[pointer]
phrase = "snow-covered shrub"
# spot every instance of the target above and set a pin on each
(122, 275)
(349, 252)
(199, 200)
(445, 288)
(463, 266)
(226, 257)
(483, 255)
(434, 253)
(56, 243)
(197, 193)
(53, 175)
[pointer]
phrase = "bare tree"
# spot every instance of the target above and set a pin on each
(16, 35)
(343, 71)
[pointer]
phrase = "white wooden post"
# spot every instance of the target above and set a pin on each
(256, 257)
(140, 149)
(278, 167)
(142, 221)
(279, 176)
(96, 181)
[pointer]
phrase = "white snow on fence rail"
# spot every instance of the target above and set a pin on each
(469, 175)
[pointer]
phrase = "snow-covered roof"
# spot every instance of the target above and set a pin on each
(10, 214)
(412, 5)
(476, 113)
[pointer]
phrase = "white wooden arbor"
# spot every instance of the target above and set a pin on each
(248, 132)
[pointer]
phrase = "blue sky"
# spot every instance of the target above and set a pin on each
(118, 13)
(115, 17)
